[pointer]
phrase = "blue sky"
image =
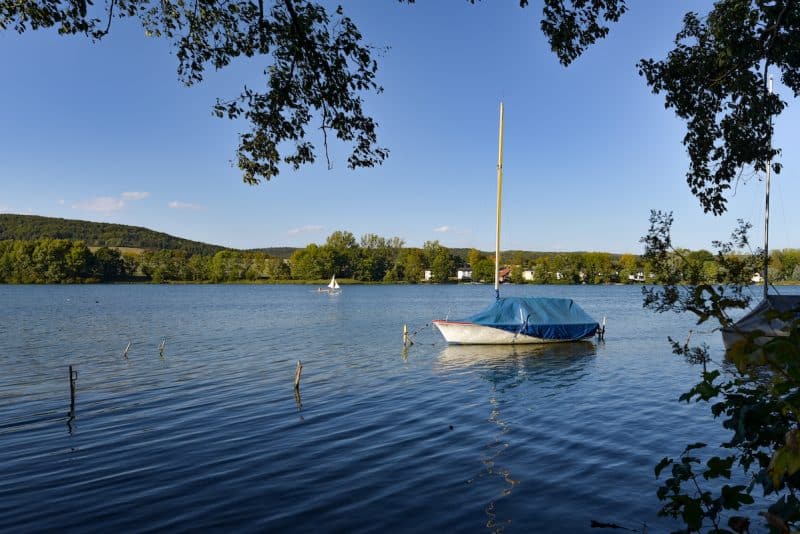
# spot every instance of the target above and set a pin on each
(105, 132)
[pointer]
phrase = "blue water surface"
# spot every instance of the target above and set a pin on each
(208, 434)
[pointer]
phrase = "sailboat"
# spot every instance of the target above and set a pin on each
(518, 320)
(333, 287)
(757, 319)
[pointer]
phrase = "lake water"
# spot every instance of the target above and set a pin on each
(210, 435)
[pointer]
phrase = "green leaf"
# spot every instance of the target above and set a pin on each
(662, 464)
(785, 461)
(693, 515)
(719, 467)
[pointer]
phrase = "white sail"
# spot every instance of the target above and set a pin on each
(334, 284)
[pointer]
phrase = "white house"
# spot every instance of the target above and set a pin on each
(638, 277)
(464, 274)
(428, 275)
(528, 275)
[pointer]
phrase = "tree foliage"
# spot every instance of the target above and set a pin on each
(317, 67)
(716, 79)
(313, 59)
(756, 393)
(317, 70)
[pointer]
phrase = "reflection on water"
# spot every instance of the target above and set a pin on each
(499, 363)
(506, 367)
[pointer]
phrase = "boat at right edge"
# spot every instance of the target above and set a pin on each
(761, 321)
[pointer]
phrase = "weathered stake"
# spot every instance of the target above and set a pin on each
(125, 352)
(406, 340)
(297, 374)
(601, 332)
(73, 378)
(297, 400)
(161, 347)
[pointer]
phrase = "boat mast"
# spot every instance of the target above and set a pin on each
(499, 202)
(766, 210)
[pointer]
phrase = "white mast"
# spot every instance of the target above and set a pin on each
(499, 202)
(766, 211)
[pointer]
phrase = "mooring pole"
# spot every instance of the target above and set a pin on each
(601, 332)
(406, 339)
(297, 374)
(73, 378)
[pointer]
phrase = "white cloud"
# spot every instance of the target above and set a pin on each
(103, 204)
(108, 204)
(306, 229)
(60, 201)
(442, 229)
(135, 195)
(178, 205)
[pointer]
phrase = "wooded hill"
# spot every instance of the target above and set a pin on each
(96, 234)
(99, 234)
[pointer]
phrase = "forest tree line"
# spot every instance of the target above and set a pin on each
(371, 258)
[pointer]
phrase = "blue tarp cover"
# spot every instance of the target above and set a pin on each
(546, 318)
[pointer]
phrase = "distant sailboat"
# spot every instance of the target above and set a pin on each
(756, 320)
(333, 287)
(518, 320)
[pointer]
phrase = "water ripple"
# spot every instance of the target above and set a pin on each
(210, 435)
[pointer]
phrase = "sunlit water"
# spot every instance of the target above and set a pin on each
(210, 435)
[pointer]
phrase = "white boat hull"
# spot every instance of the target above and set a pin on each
(756, 320)
(460, 333)
(732, 337)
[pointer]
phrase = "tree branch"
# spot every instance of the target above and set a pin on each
(108, 25)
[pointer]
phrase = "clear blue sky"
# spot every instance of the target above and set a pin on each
(105, 132)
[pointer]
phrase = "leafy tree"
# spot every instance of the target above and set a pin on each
(108, 264)
(318, 69)
(316, 65)
(518, 263)
(410, 265)
(132, 264)
(341, 252)
(758, 397)
(305, 263)
(276, 269)
(542, 272)
(473, 257)
(784, 263)
(716, 80)
(596, 267)
(375, 257)
(439, 260)
(483, 270)
(627, 267)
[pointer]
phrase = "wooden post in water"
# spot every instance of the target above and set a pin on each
(125, 352)
(406, 340)
(297, 374)
(73, 378)
(161, 347)
(601, 332)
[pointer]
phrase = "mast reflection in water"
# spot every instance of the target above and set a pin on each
(505, 367)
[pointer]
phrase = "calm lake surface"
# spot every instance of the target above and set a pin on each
(210, 436)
